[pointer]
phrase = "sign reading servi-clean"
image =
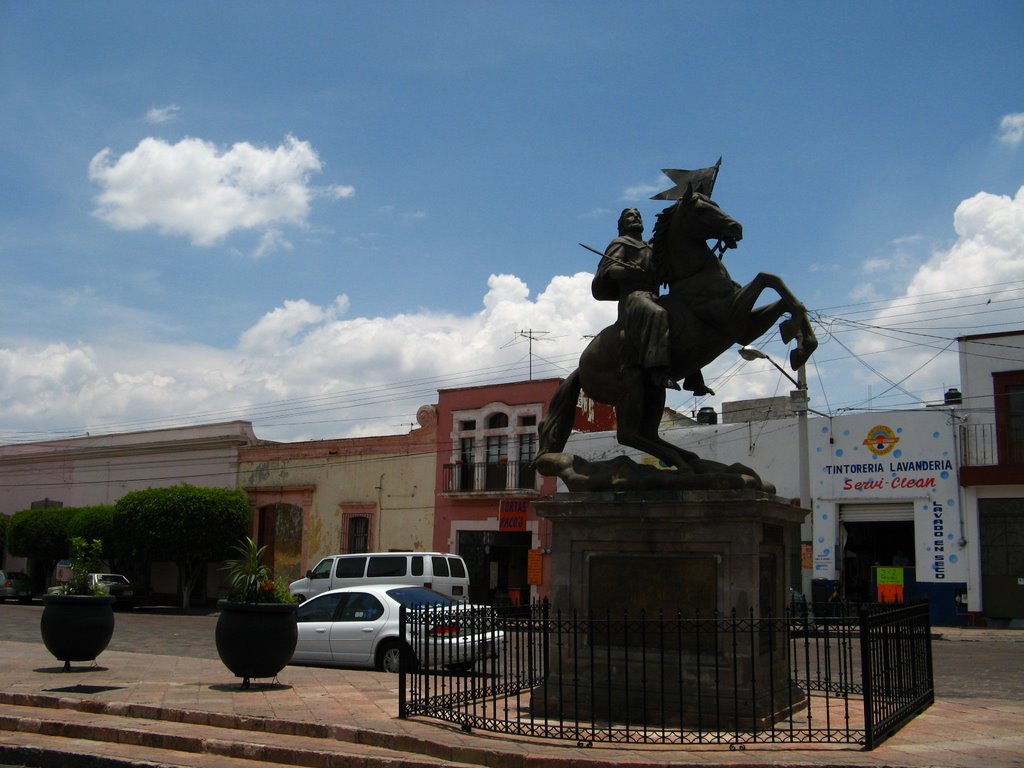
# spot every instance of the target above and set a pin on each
(891, 465)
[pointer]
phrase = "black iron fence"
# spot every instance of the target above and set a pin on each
(854, 677)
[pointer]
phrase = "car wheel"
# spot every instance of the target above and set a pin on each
(389, 657)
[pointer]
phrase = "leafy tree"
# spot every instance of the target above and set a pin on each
(184, 524)
(97, 522)
(41, 535)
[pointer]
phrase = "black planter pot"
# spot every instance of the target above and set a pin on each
(77, 627)
(256, 639)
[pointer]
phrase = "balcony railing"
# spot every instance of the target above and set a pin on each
(483, 477)
(979, 445)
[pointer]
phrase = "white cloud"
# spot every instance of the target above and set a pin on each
(340, 192)
(1011, 129)
(161, 115)
(309, 370)
(272, 240)
(972, 287)
(326, 374)
(198, 190)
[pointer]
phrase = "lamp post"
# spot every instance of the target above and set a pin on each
(798, 398)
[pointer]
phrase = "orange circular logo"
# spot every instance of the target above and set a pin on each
(881, 440)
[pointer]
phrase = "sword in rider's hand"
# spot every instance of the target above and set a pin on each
(612, 258)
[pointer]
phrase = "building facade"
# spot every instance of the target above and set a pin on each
(90, 470)
(486, 441)
(992, 476)
(325, 497)
(883, 486)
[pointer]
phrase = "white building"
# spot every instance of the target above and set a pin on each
(883, 487)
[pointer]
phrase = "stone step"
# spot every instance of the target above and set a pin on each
(71, 737)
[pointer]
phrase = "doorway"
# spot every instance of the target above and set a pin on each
(497, 565)
(870, 543)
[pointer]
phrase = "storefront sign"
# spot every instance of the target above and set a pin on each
(512, 515)
(535, 567)
(889, 583)
(909, 459)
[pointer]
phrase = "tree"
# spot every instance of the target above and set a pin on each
(97, 522)
(184, 524)
(41, 535)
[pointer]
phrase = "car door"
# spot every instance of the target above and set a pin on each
(356, 628)
(315, 618)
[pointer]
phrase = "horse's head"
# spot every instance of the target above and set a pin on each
(703, 218)
(682, 230)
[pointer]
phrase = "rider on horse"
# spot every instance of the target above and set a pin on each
(627, 274)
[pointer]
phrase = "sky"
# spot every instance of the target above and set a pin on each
(315, 215)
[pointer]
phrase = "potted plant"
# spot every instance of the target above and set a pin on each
(78, 617)
(256, 630)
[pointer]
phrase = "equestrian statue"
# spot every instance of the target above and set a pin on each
(658, 341)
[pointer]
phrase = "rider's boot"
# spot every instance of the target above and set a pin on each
(695, 383)
(660, 378)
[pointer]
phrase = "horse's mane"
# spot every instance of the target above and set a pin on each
(661, 241)
(665, 241)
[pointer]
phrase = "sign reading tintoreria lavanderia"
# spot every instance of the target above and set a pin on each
(904, 466)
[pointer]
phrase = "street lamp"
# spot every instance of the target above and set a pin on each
(798, 398)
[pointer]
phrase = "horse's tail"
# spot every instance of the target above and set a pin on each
(557, 425)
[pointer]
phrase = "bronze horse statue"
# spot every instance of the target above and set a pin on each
(708, 313)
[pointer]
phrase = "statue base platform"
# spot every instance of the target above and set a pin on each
(695, 554)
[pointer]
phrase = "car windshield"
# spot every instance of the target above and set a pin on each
(111, 578)
(418, 597)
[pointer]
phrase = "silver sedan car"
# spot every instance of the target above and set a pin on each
(358, 626)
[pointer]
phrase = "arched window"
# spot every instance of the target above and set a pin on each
(497, 421)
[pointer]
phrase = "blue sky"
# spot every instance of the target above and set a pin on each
(313, 215)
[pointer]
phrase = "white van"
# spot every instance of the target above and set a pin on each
(441, 571)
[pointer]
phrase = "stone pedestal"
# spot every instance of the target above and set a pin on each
(695, 552)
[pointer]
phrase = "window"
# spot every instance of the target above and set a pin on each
(350, 567)
(320, 608)
(497, 421)
(417, 565)
(1008, 388)
(458, 567)
(322, 570)
(359, 534)
(527, 447)
(467, 425)
(497, 448)
(361, 607)
(528, 421)
(440, 566)
(386, 565)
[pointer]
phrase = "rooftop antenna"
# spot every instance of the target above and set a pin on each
(532, 336)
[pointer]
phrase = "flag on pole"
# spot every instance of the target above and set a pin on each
(702, 180)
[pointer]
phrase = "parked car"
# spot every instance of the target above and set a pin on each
(116, 585)
(15, 585)
(435, 570)
(358, 626)
(110, 583)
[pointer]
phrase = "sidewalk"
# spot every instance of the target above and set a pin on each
(166, 710)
